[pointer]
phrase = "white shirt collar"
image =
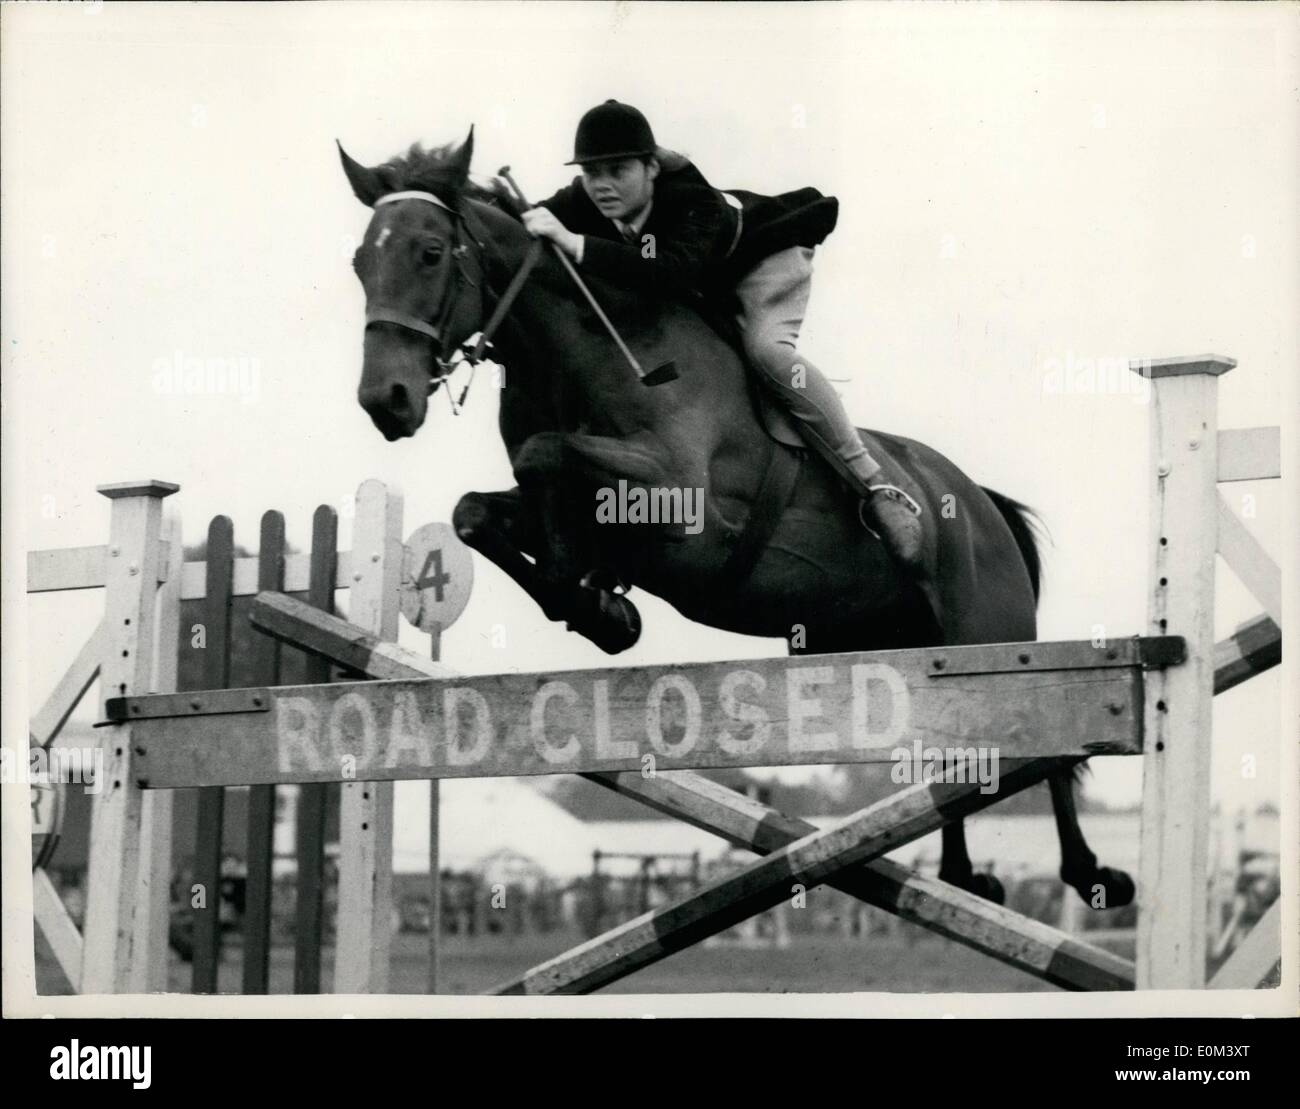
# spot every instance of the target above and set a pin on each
(639, 222)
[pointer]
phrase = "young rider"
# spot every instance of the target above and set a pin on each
(642, 216)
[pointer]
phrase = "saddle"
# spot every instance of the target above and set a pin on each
(781, 474)
(719, 311)
(783, 467)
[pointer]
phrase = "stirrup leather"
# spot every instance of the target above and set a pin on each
(894, 493)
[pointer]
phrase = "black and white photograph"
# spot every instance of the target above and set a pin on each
(629, 509)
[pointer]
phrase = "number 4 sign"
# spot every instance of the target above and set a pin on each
(437, 575)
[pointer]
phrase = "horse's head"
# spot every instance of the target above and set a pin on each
(422, 270)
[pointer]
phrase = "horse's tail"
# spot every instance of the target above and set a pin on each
(1025, 525)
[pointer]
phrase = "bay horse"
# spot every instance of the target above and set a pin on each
(436, 258)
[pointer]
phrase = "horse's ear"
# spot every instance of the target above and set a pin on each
(461, 159)
(366, 184)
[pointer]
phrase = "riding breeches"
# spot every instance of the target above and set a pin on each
(774, 300)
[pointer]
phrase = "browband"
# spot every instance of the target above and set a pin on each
(414, 194)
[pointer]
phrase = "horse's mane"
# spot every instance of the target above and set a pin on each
(435, 170)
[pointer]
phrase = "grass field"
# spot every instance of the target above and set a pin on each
(811, 964)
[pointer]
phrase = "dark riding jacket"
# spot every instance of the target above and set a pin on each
(700, 243)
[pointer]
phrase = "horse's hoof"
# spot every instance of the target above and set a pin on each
(609, 620)
(1116, 888)
(1103, 888)
(987, 887)
(981, 885)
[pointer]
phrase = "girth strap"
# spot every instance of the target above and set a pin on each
(765, 514)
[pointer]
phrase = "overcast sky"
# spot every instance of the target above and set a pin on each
(1021, 188)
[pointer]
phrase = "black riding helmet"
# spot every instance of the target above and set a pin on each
(612, 130)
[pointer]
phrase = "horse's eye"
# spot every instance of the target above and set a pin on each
(431, 255)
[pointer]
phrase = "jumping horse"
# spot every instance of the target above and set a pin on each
(781, 550)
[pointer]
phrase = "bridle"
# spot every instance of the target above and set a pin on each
(438, 331)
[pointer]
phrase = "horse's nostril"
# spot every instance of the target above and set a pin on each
(399, 403)
(392, 399)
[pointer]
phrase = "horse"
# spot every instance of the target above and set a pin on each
(435, 262)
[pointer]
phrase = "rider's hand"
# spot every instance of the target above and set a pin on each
(541, 222)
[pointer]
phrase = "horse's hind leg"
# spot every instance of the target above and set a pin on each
(504, 527)
(1100, 886)
(955, 867)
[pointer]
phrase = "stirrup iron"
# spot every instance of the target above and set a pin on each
(894, 493)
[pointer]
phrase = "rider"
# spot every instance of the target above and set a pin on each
(643, 216)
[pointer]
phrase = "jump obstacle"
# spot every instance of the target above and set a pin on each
(416, 718)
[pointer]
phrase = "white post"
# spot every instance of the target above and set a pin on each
(1183, 469)
(365, 902)
(156, 820)
(115, 951)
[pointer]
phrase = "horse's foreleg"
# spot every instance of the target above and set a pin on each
(545, 473)
(1100, 886)
(501, 528)
(504, 527)
(565, 553)
(570, 476)
(566, 561)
